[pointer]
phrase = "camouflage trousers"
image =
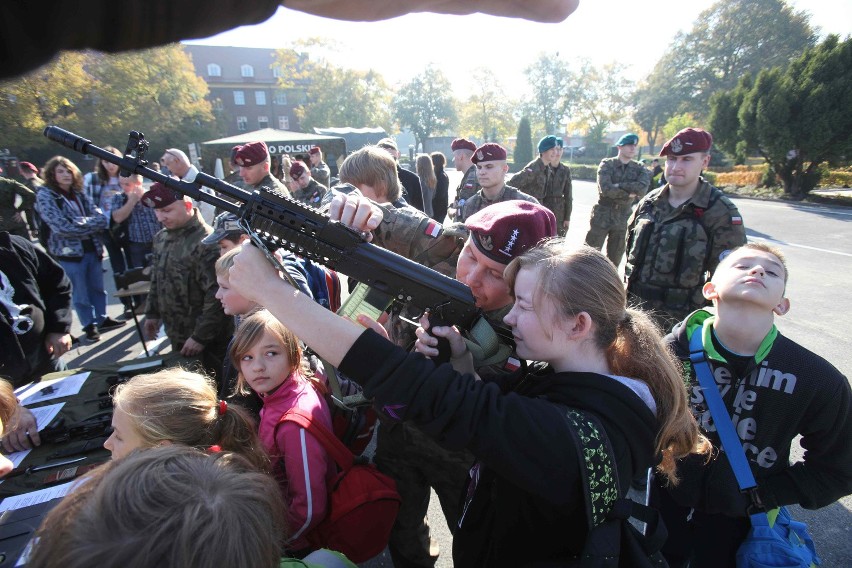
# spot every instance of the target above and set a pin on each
(418, 464)
(557, 205)
(609, 224)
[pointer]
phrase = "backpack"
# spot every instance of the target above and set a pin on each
(324, 284)
(362, 501)
(612, 540)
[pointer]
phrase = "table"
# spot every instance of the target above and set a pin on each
(140, 288)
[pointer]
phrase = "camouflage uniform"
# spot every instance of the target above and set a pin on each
(479, 202)
(183, 289)
(672, 252)
(321, 173)
(268, 182)
(616, 181)
(312, 194)
(551, 186)
(467, 187)
(11, 219)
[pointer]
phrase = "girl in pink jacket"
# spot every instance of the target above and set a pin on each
(269, 359)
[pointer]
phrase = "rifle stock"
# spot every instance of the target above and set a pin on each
(282, 222)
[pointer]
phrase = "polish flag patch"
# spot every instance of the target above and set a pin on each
(433, 229)
(736, 220)
(512, 364)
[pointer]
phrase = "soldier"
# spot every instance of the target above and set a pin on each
(319, 169)
(547, 179)
(309, 191)
(491, 168)
(679, 232)
(32, 180)
(183, 282)
(178, 164)
(621, 179)
(254, 162)
(413, 193)
(463, 150)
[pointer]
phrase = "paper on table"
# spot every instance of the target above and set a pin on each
(17, 458)
(65, 386)
(45, 414)
(35, 497)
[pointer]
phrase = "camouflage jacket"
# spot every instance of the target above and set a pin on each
(678, 248)
(183, 285)
(467, 187)
(312, 194)
(617, 180)
(543, 182)
(269, 182)
(321, 173)
(10, 211)
(479, 201)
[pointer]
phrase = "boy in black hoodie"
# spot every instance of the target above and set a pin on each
(774, 390)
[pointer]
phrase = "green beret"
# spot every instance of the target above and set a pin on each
(628, 139)
(546, 144)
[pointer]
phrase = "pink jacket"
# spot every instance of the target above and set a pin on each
(307, 468)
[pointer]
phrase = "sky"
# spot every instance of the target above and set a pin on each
(635, 34)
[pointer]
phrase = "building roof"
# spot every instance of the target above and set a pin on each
(271, 135)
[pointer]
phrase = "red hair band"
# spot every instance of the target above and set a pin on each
(223, 407)
(214, 449)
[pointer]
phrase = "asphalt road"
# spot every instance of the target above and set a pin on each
(817, 241)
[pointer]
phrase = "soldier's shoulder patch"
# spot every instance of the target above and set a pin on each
(468, 185)
(736, 220)
(512, 364)
(433, 228)
(530, 170)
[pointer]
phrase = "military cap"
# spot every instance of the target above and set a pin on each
(388, 143)
(233, 155)
(507, 229)
(159, 196)
(629, 138)
(224, 225)
(462, 144)
(251, 154)
(688, 141)
(560, 142)
(547, 143)
(314, 150)
(28, 166)
(297, 169)
(489, 152)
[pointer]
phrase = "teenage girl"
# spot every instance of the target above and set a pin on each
(176, 406)
(524, 503)
(269, 360)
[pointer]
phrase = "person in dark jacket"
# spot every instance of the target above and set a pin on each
(525, 500)
(440, 202)
(412, 192)
(774, 390)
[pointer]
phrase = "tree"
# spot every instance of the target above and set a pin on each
(345, 97)
(796, 118)
(523, 145)
(425, 104)
(654, 103)
(600, 97)
(729, 40)
(552, 83)
(487, 114)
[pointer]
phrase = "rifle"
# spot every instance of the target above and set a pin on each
(275, 221)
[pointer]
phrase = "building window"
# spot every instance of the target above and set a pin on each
(263, 122)
(276, 72)
(284, 123)
(242, 123)
(239, 98)
(217, 104)
(247, 71)
(280, 98)
(260, 98)
(214, 70)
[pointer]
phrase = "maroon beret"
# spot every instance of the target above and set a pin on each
(159, 196)
(489, 153)
(509, 228)
(688, 141)
(314, 150)
(297, 169)
(28, 166)
(462, 144)
(251, 154)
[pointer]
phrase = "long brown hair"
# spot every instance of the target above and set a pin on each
(584, 280)
(426, 170)
(166, 506)
(182, 407)
(251, 331)
(102, 173)
(50, 173)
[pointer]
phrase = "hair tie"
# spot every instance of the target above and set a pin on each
(223, 407)
(214, 449)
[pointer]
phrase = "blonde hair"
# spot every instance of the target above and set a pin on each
(182, 407)
(426, 170)
(584, 280)
(226, 261)
(167, 506)
(251, 331)
(8, 406)
(373, 166)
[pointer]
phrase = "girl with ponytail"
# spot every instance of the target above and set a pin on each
(176, 406)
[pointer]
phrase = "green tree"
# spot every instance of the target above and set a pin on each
(552, 84)
(600, 96)
(654, 103)
(727, 41)
(345, 97)
(487, 114)
(523, 145)
(425, 104)
(796, 118)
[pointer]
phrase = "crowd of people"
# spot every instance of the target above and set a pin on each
(487, 429)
